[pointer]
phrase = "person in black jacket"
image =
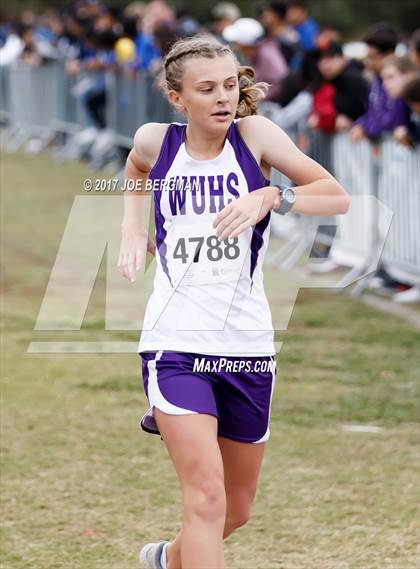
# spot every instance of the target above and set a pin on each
(346, 76)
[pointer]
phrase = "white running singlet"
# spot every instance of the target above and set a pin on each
(208, 295)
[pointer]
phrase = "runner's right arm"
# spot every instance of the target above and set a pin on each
(134, 228)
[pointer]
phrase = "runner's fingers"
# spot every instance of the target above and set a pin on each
(236, 222)
(221, 227)
(131, 266)
(127, 265)
(222, 214)
(139, 259)
(242, 227)
(122, 264)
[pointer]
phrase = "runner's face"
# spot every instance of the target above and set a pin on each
(210, 91)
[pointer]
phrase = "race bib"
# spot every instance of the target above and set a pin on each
(197, 257)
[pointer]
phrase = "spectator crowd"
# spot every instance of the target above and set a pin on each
(318, 82)
(371, 86)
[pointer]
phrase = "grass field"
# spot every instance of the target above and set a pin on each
(83, 487)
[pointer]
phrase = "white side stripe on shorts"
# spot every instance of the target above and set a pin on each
(266, 436)
(156, 397)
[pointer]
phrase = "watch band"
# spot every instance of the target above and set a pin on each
(284, 204)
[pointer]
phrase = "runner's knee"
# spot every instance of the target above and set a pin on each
(204, 495)
(238, 509)
(238, 516)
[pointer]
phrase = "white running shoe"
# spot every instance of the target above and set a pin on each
(150, 555)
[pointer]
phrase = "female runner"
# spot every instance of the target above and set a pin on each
(207, 342)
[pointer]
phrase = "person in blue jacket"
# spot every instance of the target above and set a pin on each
(298, 17)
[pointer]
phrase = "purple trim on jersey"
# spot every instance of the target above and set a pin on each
(169, 149)
(161, 234)
(170, 146)
(256, 180)
(246, 160)
(257, 241)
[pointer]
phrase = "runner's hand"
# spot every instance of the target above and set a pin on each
(134, 244)
(244, 212)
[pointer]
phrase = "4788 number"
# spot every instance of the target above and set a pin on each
(213, 248)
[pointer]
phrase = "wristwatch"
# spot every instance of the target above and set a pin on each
(287, 199)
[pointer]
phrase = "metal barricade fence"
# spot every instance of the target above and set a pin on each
(133, 100)
(399, 189)
(353, 166)
(320, 147)
(126, 105)
(294, 229)
(33, 97)
(4, 94)
(70, 115)
(365, 235)
(34, 103)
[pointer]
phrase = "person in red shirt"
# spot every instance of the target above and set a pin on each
(343, 96)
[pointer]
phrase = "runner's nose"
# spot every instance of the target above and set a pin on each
(222, 96)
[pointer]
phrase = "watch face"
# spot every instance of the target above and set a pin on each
(289, 195)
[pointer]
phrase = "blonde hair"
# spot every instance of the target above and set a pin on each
(250, 93)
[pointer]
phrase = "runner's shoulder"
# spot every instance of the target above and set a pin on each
(254, 124)
(262, 135)
(148, 141)
(255, 128)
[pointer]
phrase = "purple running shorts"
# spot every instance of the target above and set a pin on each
(237, 390)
